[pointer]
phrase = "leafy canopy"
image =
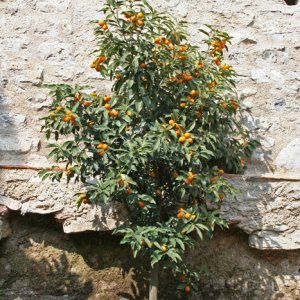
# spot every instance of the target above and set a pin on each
(161, 140)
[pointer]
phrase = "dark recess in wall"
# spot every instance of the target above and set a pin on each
(291, 2)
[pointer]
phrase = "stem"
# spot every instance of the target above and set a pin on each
(153, 282)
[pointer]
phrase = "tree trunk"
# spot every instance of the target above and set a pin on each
(153, 283)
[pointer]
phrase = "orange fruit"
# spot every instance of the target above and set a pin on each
(139, 22)
(133, 18)
(224, 105)
(182, 104)
(118, 76)
(87, 103)
(101, 58)
(115, 113)
(187, 77)
(93, 94)
(164, 248)
(193, 93)
(104, 27)
(221, 172)
(67, 119)
(181, 139)
(58, 108)
(178, 131)
(180, 210)
(187, 215)
(99, 146)
(141, 204)
(101, 23)
(172, 122)
(171, 47)
(143, 65)
(107, 106)
(180, 215)
(187, 135)
(157, 40)
(120, 182)
(140, 15)
(106, 98)
(129, 191)
(181, 48)
(187, 288)
(193, 217)
(104, 146)
(190, 179)
(190, 140)
(98, 67)
(213, 179)
(221, 196)
(101, 152)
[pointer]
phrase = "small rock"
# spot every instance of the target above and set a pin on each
(288, 157)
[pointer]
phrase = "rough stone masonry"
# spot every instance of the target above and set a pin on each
(51, 41)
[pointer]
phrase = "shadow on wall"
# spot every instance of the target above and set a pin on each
(40, 260)
(236, 271)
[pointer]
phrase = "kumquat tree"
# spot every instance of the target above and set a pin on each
(160, 141)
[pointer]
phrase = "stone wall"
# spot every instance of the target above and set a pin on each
(51, 41)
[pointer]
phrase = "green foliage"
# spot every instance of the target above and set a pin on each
(163, 138)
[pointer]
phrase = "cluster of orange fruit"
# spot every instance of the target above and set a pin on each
(185, 137)
(191, 98)
(181, 78)
(102, 146)
(226, 67)
(185, 215)
(160, 41)
(187, 288)
(135, 18)
(232, 103)
(103, 25)
(127, 185)
(111, 113)
(190, 178)
(217, 46)
(97, 63)
(69, 117)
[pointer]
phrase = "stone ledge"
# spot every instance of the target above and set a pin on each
(267, 209)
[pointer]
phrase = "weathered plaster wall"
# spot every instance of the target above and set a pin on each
(51, 41)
